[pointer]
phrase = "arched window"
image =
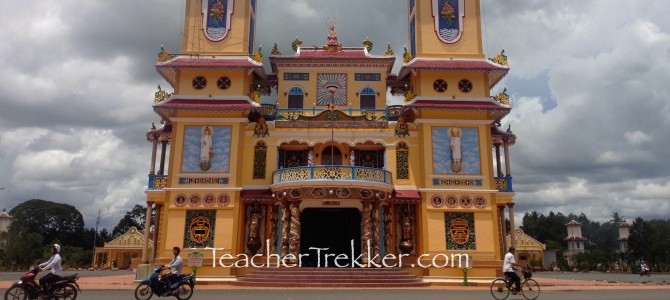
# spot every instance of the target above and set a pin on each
(402, 161)
(296, 97)
(368, 96)
(260, 152)
(331, 156)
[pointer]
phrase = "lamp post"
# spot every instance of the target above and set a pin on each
(95, 237)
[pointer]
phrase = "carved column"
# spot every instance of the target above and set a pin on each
(498, 165)
(503, 230)
(388, 244)
(285, 219)
(273, 229)
(512, 233)
(366, 229)
(507, 162)
(376, 223)
(406, 224)
(254, 241)
(161, 171)
(154, 148)
(294, 241)
(147, 228)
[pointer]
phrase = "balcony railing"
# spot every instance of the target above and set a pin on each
(271, 112)
(504, 184)
(337, 173)
(157, 182)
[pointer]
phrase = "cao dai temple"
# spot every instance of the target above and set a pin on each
(323, 161)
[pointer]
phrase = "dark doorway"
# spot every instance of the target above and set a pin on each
(332, 228)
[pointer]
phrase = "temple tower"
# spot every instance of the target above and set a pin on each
(624, 232)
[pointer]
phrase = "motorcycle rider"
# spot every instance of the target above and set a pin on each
(53, 264)
(644, 268)
(175, 267)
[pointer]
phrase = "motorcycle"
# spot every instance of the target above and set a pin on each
(645, 271)
(181, 287)
(65, 287)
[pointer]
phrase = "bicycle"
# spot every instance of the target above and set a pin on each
(501, 287)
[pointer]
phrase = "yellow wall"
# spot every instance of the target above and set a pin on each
(429, 45)
(240, 83)
(235, 43)
(423, 84)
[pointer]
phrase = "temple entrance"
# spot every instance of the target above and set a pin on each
(332, 228)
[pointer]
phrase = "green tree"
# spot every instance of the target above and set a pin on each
(51, 220)
(639, 240)
(133, 218)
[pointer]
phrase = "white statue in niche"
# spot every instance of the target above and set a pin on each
(456, 149)
(206, 150)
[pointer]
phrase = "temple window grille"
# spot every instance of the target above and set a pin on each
(402, 161)
(260, 154)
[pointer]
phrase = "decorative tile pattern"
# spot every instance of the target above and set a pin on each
(260, 153)
(402, 161)
(367, 77)
(456, 182)
(296, 76)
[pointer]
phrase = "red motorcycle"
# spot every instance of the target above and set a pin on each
(65, 287)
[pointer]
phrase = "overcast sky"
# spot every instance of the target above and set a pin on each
(589, 82)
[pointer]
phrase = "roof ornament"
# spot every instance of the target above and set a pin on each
(275, 50)
(164, 55)
(389, 50)
(332, 44)
(406, 56)
(258, 56)
(502, 98)
(368, 44)
(161, 95)
(296, 44)
(500, 59)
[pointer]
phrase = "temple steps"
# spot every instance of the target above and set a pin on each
(329, 277)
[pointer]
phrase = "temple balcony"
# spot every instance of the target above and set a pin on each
(332, 176)
(271, 112)
(504, 184)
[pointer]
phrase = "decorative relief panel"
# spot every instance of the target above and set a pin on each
(457, 182)
(199, 230)
(460, 231)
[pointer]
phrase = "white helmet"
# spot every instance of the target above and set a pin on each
(57, 248)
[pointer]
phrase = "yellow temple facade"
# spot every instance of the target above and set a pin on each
(303, 162)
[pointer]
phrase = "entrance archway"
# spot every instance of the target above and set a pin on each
(331, 228)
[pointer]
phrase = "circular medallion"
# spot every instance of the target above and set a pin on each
(223, 83)
(318, 192)
(194, 200)
(437, 201)
(460, 231)
(440, 86)
(480, 201)
(180, 200)
(199, 83)
(209, 200)
(465, 86)
(223, 200)
(343, 193)
(365, 193)
(465, 201)
(451, 201)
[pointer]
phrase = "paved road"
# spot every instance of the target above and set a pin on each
(657, 278)
(4, 276)
(384, 294)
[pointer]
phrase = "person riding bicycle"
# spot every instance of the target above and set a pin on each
(175, 267)
(508, 269)
(53, 264)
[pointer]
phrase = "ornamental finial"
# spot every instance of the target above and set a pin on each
(406, 56)
(275, 50)
(389, 50)
(502, 98)
(368, 44)
(500, 59)
(296, 44)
